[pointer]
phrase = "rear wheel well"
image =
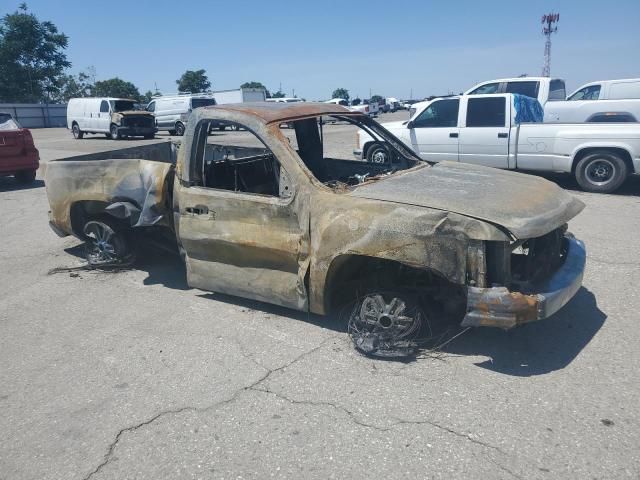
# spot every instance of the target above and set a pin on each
(350, 275)
(82, 212)
(587, 151)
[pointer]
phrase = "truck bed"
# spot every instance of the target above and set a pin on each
(81, 184)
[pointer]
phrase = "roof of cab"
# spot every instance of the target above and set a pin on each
(270, 112)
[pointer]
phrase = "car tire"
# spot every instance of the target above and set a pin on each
(106, 242)
(179, 129)
(602, 171)
(378, 153)
(108, 135)
(115, 134)
(25, 177)
(77, 133)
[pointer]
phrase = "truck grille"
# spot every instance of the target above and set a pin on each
(137, 122)
(524, 263)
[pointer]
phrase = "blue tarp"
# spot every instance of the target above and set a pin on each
(528, 110)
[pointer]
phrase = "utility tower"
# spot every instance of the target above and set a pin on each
(548, 21)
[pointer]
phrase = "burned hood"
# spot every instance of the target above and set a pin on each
(526, 205)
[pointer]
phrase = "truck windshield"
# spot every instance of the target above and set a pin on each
(122, 105)
(202, 102)
(320, 143)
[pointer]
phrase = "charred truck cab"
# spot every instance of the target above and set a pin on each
(285, 219)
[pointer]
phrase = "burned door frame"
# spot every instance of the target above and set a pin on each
(239, 243)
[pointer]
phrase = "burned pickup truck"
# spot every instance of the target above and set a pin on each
(277, 216)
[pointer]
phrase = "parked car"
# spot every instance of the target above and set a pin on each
(491, 130)
(542, 88)
(358, 107)
(297, 228)
(172, 111)
(114, 117)
(18, 154)
(604, 101)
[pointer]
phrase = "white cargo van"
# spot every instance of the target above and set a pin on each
(240, 95)
(114, 117)
(597, 102)
(172, 111)
(542, 88)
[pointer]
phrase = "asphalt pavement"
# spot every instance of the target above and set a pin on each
(133, 374)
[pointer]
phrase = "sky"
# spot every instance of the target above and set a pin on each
(399, 48)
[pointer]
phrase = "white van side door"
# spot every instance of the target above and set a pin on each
(103, 118)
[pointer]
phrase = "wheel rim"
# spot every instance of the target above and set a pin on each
(76, 131)
(102, 246)
(385, 325)
(114, 132)
(179, 129)
(379, 155)
(600, 171)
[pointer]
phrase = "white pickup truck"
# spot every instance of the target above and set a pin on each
(604, 101)
(491, 130)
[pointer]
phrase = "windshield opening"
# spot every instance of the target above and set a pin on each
(122, 105)
(319, 141)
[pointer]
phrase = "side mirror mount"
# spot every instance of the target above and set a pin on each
(410, 124)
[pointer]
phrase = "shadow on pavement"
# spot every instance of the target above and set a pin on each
(10, 184)
(539, 347)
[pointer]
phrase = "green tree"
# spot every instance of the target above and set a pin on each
(340, 93)
(256, 85)
(194, 81)
(147, 97)
(278, 94)
(115, 87)
(32, 58)
(355, 101)
(72, 86)
(376, 99)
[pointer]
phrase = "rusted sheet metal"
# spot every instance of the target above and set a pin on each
(499, 307)
(535, 206)
(270, 112)
(107, 177)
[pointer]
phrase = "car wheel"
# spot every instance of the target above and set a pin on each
(108, 135)
(378, 153)
(386, 324)
(106, 243)
(77, 133)
(601, 172)
(172, 132)
(115, 134)
(179, 129)
(25, 176)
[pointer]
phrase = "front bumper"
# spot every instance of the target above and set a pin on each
(137, 131)
(499, 307)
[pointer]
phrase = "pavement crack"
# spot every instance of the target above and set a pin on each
(112, 446)
(109, 455)
(505, 469)
(466, 436)
(340, 408)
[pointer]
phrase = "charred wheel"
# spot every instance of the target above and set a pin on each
(386, 324)
(106, 243)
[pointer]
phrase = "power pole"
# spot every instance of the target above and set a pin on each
(548, 21)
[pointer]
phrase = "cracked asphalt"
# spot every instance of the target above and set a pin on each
(133, 375)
